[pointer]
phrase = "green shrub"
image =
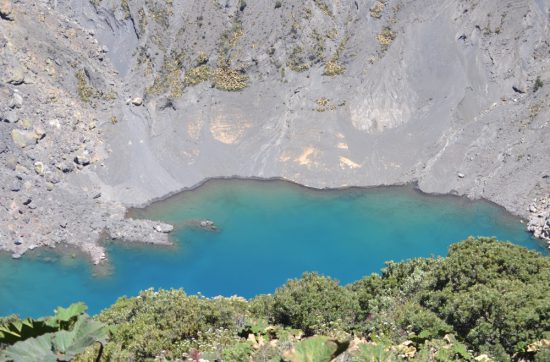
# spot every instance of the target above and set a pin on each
(492, 293)
(538, 84)
(315, 304)
(171, 321)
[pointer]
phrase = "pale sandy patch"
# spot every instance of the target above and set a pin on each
(228, 132)
(346, 163)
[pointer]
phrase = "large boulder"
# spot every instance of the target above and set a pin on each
(6, 10)
(16, 75)
(23, 138)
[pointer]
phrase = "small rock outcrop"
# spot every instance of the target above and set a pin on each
(6, 10)
(539, 218)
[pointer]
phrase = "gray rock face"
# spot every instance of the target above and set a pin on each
(323, 93)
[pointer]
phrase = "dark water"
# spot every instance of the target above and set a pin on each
(269, 232)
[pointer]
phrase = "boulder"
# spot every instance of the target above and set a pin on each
(16, 101)
(6, 10)
(39, 168)
(39, 132)
(25, 123)
(16, 75)
(15, 186)
(65, 167)
(82, 158)
(164, 228)
(23, 138)
(208, 225)
(10, 116)
(52, 177)
(137, 101)
(11, 162)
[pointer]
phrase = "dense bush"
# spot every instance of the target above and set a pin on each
(487, 299)
(314, 304)
(171, 321)
(495, 295)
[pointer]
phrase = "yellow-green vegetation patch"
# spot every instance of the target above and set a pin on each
(169, 77)
(332, 68)
(386, 37)
(319, 47)
(125, 8)
(324, 104)
(142, 20)
(159, 13)
(332, 34)
(87, 93)
(224, 76)
(296, 60)
(84, 90)
(200, 73)
(197, 75)
(229, 79)
(377, 9)
(322, 5)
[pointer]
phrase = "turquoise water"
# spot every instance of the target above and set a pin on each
(269, 232)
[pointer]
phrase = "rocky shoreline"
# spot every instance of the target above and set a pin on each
(539, 219)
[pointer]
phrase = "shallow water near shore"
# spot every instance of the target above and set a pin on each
(269, 231)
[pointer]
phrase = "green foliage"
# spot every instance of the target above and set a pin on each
(374, 352)
(316, 349)
(538, 84)
(15, 330)
(20, 330)
(58, 346)
(315, 304)
(64, 318)
(237, 352)
(86, 92)
(492, 293)
(386, 37)
(173, 322)
(59, 338)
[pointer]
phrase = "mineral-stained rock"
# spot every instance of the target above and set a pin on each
(39, 168)
(137, 101)
(24, 138)
(26, 123)
(17, 75)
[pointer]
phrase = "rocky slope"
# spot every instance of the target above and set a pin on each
(107, 104)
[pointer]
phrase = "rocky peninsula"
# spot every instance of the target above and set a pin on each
(110, 104)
